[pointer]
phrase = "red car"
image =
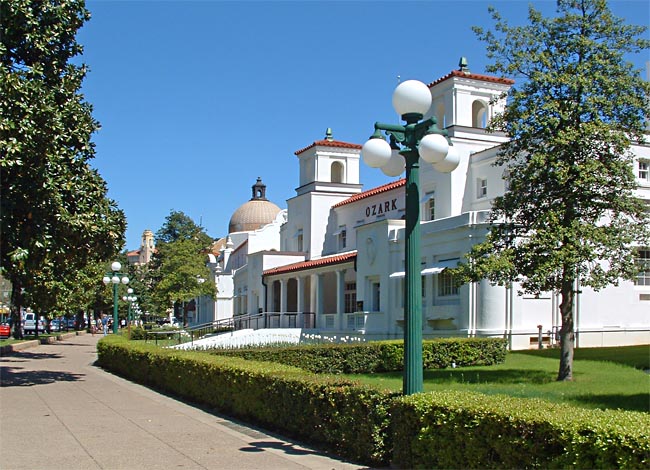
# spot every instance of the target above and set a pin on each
(5, 330)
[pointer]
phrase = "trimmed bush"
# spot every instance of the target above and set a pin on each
(337, 414)
(138, 333)
(426, 430)
(377, 356)
(470, 430)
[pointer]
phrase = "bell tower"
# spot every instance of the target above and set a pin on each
(146, 247)
(463, 98)
(330, 163)
(329, 173)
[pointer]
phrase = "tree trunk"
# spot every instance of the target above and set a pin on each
(567, 336)
(16, 307)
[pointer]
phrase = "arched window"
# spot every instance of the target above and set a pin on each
(337, 172)
(479, 114)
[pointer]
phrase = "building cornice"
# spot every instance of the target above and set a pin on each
(316, 263)
(329, 143)
(372, 192)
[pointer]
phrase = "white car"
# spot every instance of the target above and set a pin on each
(29, 323)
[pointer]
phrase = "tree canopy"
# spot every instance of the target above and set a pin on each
(570, 216)
(178, 270)
(56, 216)
(179, 226)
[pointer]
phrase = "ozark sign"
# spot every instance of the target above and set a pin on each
(381, 208)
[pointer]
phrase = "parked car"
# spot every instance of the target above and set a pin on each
(73, 323)
(57, 325)
(29, 323)
(5, 330)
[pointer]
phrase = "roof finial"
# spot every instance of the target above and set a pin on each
(328, 134)
(462, 64)
(259, 191)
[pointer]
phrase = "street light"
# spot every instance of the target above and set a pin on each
(408, 143)
(115, 277)
(200, 280)
(130, 299)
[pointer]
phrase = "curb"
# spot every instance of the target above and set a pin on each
(11, 348)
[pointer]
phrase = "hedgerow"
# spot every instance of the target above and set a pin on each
(374, 427)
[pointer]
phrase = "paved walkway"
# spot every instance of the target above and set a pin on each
(59, 411)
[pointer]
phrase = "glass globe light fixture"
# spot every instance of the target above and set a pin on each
(411, 97)
(116, 266)
(433, 148)
(395, 166)
(450, 162)
(376, 152)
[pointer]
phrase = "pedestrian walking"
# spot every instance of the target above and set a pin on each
(105, 324)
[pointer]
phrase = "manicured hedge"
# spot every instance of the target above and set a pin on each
(334, 413)
(471, 430)
(427, 430)
(377, 356)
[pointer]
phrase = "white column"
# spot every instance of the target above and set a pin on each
(320, 297)
(300, 301)
(340, 298)
(300, 285)
(283, 300)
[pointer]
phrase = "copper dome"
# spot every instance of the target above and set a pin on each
(255, 213)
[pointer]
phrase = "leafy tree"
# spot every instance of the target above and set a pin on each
(179, 226)
(138, 275)
(179, 263)
(56, 217)
(570, 217)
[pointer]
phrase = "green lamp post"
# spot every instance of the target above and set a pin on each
(416, 139)
(115, 277)
(130, 299)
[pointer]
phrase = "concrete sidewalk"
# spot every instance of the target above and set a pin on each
(59, 411)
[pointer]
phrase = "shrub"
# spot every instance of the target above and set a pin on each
(425, 430)
(377, 356)
(138, 333)
(338, 414)
(470, 430)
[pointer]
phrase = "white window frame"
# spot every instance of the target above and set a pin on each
(431, 207)
(342, 237)
(350, 297)
(481, 188)
(643, 262)
(446, 285)
(644, 171)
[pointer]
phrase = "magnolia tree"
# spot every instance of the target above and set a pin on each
(569, 217)
(56, 217)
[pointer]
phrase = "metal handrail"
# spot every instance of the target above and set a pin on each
(237, 322)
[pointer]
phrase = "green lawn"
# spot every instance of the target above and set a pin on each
(11, 340)
(606, 378)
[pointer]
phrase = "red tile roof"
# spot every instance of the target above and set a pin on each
(372, 192)
(330, 143)
(474, 76)
(316, 263)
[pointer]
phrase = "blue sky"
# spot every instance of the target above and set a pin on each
(198, 98)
